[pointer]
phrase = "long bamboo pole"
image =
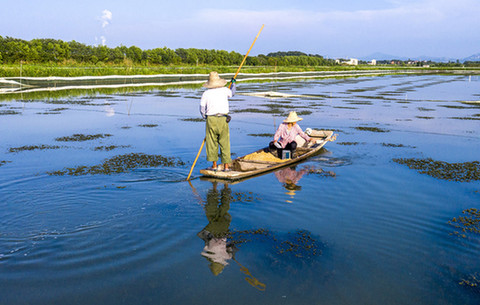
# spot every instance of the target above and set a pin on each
(246, 55)
(238, 70)
(194, 162)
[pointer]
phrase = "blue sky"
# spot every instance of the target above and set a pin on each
(340, 28)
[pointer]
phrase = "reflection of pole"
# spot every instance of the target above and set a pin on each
(195, 193)
(250, 278)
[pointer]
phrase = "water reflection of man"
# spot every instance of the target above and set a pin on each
(216, 249)
(289, 178)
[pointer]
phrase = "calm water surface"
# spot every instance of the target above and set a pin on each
(351, 227)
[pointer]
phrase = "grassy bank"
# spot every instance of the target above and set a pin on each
(45, 70)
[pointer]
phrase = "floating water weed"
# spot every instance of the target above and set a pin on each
(462, 172)
(193, 120)
(244, 197)
(466, 224)
(424, 109)
(4, 162)
(472, 281)
(396, 145)
(9, 112)
(121, 164)
(299, 244)
(348, 143)
(264, 135)
(148, 125)
(32, 147)
(81, 137)
(344, 107)
(372, 129)
(109, 148)
(425, 117)
(466, 118)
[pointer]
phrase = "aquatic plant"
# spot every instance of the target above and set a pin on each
(121, 164)
(472, 281)
(462, 172)
(9, 112)
(193, 120)
(347, 143)
(299, 244)
(2, 162)
(424, 117)
(425, 109)
(148, 125)
(396, 145)
(321, 172)
(81, 137)
(371, 129)
(264, 135)
(32, 147)
(470, 223)
(244, 197)
(109, 148)
(466, 118)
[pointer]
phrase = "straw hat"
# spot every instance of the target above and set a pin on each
(214, 81)
(292, 118)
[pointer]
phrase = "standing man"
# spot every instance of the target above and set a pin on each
(214, 107)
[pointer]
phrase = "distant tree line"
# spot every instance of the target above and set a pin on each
(14, 50)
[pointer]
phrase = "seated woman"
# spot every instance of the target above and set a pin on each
(284, 138)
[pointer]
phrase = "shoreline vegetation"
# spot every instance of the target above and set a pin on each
(51, 57)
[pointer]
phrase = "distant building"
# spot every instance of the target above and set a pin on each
(373, 62)
(351, 62)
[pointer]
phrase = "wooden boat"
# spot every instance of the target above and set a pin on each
(247, 166)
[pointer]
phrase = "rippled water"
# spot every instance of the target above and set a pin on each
(354, 228)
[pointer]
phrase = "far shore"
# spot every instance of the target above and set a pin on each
(57, 70)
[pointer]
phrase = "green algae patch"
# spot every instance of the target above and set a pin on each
(109, 148)
(9, 112)
(82, 137)
(263, 135)
(396, 145)
(2, 162)
(32, 147)
(469, 223)
(349, 143)
(461, 172)
(193, 120)
(299, 244)
(472, 281)
(371, 129)
(121, 164)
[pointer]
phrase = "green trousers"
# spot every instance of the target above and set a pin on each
(218, 134)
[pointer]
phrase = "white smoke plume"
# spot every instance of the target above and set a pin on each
(106, 18)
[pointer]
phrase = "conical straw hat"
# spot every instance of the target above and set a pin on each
(214, 81)
(292, 118)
